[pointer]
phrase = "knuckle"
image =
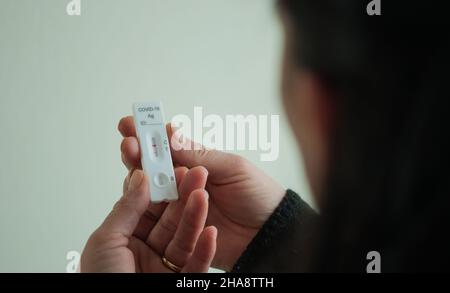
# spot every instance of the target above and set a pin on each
(184, 247)
(203, 258)
(203, 154)
(238, 162)
(168, 225)
(126, 182)
(122, 145)
(123, 204)
(95, 239)
(102, 240)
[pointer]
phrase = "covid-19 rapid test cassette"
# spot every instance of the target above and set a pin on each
(156, 159)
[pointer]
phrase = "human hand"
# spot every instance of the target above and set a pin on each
(242, 197)
(136, 234)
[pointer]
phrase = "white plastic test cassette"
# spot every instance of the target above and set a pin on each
(156, 159)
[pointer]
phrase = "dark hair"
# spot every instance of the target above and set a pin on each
(388, 182)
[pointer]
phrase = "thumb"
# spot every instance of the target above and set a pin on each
(186, 152)
(127, 212)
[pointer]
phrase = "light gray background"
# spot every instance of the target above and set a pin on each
(66, 81)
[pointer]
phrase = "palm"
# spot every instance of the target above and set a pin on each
(240, 204)
(144, 258)
(137, 257)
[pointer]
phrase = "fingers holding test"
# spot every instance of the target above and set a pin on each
(166, 227)
(127, 212)
(189, 229)
(126, 127)
(154, 211)
(131, 154)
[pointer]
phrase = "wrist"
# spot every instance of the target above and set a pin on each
(282, 217)
(238, 240)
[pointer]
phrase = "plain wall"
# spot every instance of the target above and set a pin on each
(66, 81)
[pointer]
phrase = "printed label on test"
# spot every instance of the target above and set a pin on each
(156, 159)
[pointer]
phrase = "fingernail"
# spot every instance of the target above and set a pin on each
(206, 195)
(136, 180)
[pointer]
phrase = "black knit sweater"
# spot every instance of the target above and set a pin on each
(277, 246)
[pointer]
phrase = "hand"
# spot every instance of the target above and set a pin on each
(242, 197)
(136, 234)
